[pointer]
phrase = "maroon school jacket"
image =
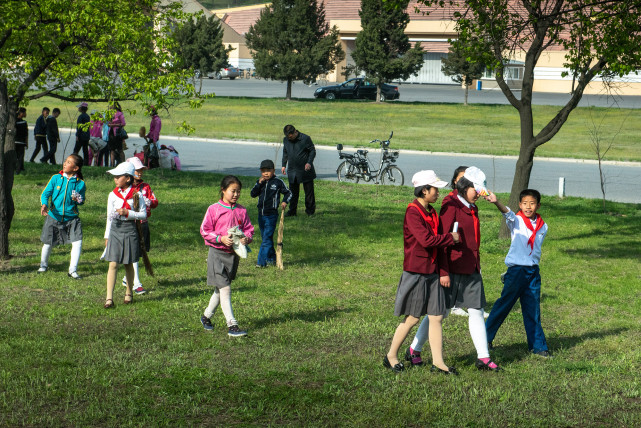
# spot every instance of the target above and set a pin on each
(461, 258)
(419, 241)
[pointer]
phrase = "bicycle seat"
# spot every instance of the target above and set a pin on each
(339, 147)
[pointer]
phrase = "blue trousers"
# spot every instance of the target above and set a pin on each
(524, 283)
(267, 224)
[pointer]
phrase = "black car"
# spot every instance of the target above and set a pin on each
(357, 88)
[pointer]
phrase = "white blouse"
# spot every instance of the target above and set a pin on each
(114, 203)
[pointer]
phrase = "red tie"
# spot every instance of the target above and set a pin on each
(477, 228)
(432, 221)
(528, 224)
(130, 195)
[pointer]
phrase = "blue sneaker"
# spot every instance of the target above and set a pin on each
(235, 331)
(206, 323)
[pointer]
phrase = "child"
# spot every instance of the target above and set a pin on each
(150, 202)
(121, 236)
(268, 189)
(22, 138)
(522, 279)
(222, 262)
(96, 144)
(419, 291)
(40, 134)
(53, 136)
(62, 225)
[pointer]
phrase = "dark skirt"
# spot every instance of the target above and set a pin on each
(221, 267)
(123, 246)
(419, 294)
(465, 291)
(56, 232)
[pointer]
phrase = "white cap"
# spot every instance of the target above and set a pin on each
(123, 168)
(477, 177)
(427, 177)
(136, 163)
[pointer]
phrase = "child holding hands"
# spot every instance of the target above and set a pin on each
(522, 279)
(222, 262)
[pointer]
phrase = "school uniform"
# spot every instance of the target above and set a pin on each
(40, 135)
(53, 136)
(268, 193)
(62, 224)
(522, 279)
(123, 245)
(419, 291)
(462, 261)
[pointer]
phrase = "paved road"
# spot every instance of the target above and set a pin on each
(243, 158)
(409, 93)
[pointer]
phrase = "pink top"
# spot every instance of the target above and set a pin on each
(154, 128)
(219, 219)
(117, 122)
(96, 129)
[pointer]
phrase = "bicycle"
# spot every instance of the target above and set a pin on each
(357, 166)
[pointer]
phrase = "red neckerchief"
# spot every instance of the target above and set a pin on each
(431, 220)
(528, 224)
(129, 196)
(477, 228)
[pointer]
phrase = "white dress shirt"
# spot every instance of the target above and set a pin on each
(520, 252)
(114, 203)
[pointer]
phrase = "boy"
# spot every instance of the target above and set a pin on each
(40, 134)
(22, 138)
(268, 189)
(53, 136)
(522, 279)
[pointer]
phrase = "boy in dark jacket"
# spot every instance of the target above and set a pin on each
(22, 138)
(40, 134)
(268, 189)
(53, 136)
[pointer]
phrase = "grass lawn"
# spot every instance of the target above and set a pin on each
(317, 330)
(488, 129)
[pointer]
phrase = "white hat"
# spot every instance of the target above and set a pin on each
(477, 177)
(136, 163)
(122, 169)
(427, 177)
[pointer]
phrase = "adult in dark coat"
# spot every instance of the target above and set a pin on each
(82, 132)
(298, 159)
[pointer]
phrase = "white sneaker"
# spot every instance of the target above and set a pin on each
(459, 311)
(42, 269)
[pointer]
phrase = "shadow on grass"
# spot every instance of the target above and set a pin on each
(304, 316)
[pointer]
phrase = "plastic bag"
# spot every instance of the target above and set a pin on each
(236, 235)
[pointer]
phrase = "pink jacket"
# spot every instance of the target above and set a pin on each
(154, 128)
(219, 219)
(96, 129)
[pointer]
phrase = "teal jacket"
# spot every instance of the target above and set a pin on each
(57, 195)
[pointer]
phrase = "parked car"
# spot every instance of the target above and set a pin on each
(226, 72)
(357, 88)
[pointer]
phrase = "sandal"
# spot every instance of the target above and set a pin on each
(109, 303)
(131, 299)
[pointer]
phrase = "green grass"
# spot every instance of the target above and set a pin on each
(486, 129)
(318, 329)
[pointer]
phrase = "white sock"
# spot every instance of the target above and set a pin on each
(44, 257)
(478, 332)
(136, 276)
(213, 304)
(422, 335)
(225, 305)
(76, 249)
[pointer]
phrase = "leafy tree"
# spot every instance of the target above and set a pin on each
(460, 68)
(201, 45)
(601, 38)
(383, 50)
(88, 50)
(292, 41)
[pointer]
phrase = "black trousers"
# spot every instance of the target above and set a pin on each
(85, 149)
(41, 142)
(310, 200)
(51, 154)
(20, 148)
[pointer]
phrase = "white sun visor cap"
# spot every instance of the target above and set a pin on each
(427, 178)
(122, 169)
(136, 163)
(477, 177)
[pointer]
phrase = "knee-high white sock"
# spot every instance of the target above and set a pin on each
(136, 277)
(76, 249)
(44, 257)
(225, 305)
(478, 332)
(421, 335)
(213, 303)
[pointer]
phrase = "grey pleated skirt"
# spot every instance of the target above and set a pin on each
(419, 294)
(221, 267)
(123, 246)
(465, 291)
(56, 232)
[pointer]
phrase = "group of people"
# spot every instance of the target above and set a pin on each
(442, 270)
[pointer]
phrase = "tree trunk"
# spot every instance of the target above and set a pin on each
(288, 95)
(8, 161)
(467, 89)
(378, 93)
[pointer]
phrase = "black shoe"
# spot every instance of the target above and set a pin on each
(74, 275)
(449, 371)
(544, 354)
(206, 322)
(398, 367)
(235, 331)
(486, 366)
(290, 214)
(413, 357)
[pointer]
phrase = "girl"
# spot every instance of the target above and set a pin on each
(419, 291)
(62, 225)
(121, 237)
(222, 262)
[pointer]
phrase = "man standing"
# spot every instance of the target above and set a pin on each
(298, 160)
(82, 133)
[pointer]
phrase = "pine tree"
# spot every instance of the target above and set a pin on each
(461, 68)
(292, 41)
(383, 50)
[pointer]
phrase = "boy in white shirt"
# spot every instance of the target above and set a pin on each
(522, 279)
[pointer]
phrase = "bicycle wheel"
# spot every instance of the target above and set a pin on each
(347, 173)
(392, 176)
